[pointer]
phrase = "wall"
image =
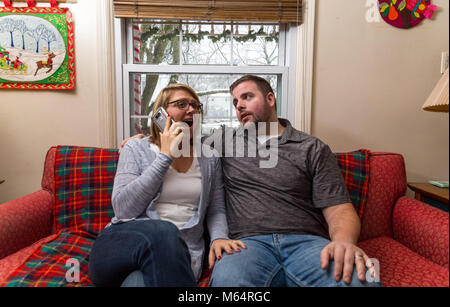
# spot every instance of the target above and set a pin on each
(33, 121)
(371, 80)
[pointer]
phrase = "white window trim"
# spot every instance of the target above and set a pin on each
(305, 61)
(297, 83)
(106, 135)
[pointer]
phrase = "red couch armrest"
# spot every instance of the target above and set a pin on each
(387, 183)
(24, 221)
(423, 229)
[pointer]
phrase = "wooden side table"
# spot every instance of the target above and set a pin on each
(425, 189)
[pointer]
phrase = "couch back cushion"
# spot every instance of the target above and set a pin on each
(84, 178)
(355, 169)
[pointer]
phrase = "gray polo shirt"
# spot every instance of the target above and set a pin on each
(288, 198)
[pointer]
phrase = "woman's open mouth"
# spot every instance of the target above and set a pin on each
(189, 122)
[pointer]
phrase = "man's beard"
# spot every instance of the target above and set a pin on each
(263, 117)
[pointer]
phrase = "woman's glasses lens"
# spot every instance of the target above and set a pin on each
(184, 104)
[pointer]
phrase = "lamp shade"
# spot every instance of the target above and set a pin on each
(438, 99)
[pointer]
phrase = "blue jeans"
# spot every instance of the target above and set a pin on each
(152, 248)
(279, 261)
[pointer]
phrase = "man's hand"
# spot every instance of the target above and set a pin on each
(345, 256)
(137, 136)
(344, 227)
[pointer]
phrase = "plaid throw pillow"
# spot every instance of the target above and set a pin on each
(84, 180)
(355, 169)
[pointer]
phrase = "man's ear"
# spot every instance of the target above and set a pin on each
(270, 98)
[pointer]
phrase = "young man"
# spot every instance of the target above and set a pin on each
(287, 215)
(295, 218)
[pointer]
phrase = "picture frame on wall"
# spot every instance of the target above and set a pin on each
(36, 48)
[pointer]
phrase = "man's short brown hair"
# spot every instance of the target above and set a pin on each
(263, 85)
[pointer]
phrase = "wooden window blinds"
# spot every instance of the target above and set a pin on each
(284, 11)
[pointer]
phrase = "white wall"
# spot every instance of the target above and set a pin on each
(371, 80)
(33, 121)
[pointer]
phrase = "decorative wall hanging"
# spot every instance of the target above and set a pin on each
(406, 14)
(36, 47)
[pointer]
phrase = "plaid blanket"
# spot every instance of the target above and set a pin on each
(82, 207)
(62, 262)
(355, 169)
(84, 179)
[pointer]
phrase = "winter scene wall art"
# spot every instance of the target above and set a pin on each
(36, 48)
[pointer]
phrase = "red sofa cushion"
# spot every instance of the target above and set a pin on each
(401, 267)
(10, 263)
(48, 265)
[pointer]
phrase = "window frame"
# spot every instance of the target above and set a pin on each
(125, 67)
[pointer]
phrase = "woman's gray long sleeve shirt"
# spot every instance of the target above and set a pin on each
(137, 185)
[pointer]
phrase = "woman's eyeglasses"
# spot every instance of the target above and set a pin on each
(183, 104)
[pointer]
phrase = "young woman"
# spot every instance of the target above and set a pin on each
(161, 202)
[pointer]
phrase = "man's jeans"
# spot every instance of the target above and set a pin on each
(279, 261)
(151, 250)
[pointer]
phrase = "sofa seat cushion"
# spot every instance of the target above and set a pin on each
(401, 267)
(13, 261)
(51, 262)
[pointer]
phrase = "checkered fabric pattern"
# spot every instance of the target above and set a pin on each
(355, 169)
(55, 264)
(84, 180)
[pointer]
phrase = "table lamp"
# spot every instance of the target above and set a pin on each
(438, 102)
(438, 99)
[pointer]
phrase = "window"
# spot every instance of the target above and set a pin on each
(208, 56)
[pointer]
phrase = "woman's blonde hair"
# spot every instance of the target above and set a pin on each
(163, 101)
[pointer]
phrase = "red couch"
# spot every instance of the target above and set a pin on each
(409, 239)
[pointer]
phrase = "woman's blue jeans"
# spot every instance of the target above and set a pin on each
(279, 261)
(151, 250)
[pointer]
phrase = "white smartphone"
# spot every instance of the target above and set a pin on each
(160, 118)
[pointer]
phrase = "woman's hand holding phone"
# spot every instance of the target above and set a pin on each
(171, 137)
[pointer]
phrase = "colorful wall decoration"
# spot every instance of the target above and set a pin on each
(406, 14)
(36, 47)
